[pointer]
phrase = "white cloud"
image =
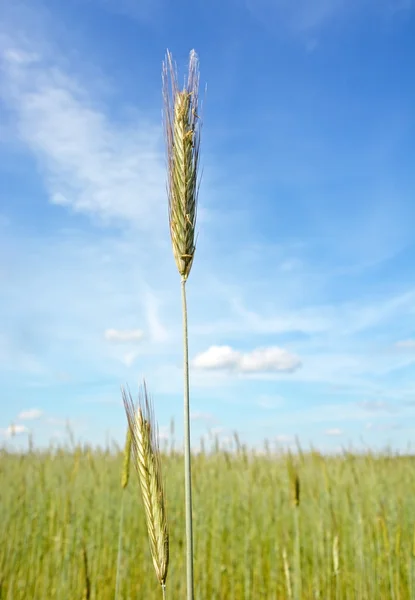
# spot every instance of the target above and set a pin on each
(406, 344)
(30, 415)
(334, 432)
(217, 357)
(271, 359)
(124, 335)
(13, 430)
(341, 348)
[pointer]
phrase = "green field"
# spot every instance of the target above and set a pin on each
(352, 536)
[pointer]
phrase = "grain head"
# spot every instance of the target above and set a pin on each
(146, 456)
(294, 480)
(182, 125)
(127, 459)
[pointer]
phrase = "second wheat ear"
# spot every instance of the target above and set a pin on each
(146, 455)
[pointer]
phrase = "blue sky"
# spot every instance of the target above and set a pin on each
(302, 295)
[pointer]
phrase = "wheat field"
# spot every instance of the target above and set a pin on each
(350, 537)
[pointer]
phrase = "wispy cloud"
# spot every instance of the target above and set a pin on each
(406, 344)
(383, 427)
(91, 164)
(126, 338)
(129, 358)
(343, 319)
(335, 432)
(158, 331)
(272, 359)
(123, 336)
(377, 406)
(30, 415)
(340, 413)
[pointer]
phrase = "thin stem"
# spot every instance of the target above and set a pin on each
(187, 457)
(118, 576)
(163, 591)
(297, 580)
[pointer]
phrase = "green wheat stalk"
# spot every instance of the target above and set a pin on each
(124, 482)
(182, 134)
(295, 495)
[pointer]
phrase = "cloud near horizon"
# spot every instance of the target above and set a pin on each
(30, 415)
(15, 430)
(334, 432)
(271, 359)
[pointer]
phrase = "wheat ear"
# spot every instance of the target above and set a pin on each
(125, 477)
(182, 126)
(146, 457)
